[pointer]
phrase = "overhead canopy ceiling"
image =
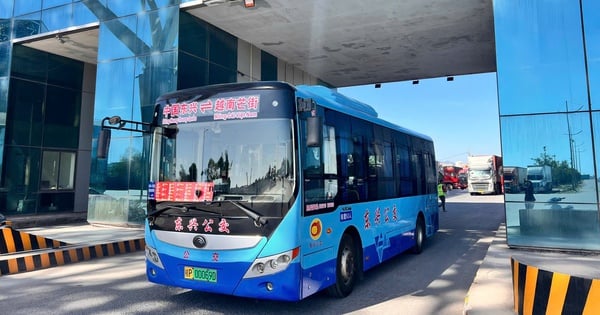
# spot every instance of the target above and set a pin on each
(355, 42)
(346, 42)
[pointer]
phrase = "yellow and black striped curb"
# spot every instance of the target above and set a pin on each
(538, 291)
(13, 241)
(59, 257)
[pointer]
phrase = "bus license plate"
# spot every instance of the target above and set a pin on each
(200, 274)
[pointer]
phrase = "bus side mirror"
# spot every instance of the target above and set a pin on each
(103, 144)
(314, 131)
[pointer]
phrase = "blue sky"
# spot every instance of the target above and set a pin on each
(461, 115)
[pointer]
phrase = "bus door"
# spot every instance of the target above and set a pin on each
(320, 189)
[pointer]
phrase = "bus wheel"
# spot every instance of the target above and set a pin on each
(419, 236)
(346, 268)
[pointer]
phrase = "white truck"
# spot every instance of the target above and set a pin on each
(541, 177)
(514, 179)
(485, 174)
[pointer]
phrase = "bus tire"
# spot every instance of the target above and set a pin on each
(346, 270)
(419, 236)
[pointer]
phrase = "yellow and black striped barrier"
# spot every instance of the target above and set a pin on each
(59, 257)
(538, 291)
(13, 241)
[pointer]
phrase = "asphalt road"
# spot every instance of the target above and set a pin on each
(434, 282)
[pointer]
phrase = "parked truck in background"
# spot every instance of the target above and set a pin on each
(450, 176)
(541, 177)
(514, 178)
(485, 174)
(463, 178)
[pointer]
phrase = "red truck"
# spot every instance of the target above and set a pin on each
(450, 177)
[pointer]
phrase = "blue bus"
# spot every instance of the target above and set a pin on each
(274, 191)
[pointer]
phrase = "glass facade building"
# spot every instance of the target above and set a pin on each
(548, 72)
(51, 106)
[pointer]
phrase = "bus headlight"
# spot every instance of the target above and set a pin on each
(272, 264)
(152, 256)
(259, 268)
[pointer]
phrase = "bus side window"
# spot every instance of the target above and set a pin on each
(320, 169)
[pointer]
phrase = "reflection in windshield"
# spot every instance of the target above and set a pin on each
(242, 160)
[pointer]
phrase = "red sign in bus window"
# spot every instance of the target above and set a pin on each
(184, 191)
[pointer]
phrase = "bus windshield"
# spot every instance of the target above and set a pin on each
(241, 160)
(481, 173)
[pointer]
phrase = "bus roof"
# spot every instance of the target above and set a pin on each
(331, 99)
(209, 90)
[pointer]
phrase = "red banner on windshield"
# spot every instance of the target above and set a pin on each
(184, 191)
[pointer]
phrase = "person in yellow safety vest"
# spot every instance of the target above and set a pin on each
(441, 189)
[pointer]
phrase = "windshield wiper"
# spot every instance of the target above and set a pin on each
(160, 208)
(258, 219)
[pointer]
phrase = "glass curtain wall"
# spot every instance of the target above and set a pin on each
(137, 61)
(144, 52)
(6, 10)
(42, 134)
(207, 55)
(548, 71)
(41, 95)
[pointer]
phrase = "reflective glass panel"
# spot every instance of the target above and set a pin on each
(138, 182)
(191, 72)
(218, 74)
(591, 22)
(154, 75)
(50, 167)
(562, 142)
(51, 202)
(158, 30)
(21, 179)
(193, 36)
(596, 123)
(3, 97)
(65, 72)
(53, 3)
(27, 25)
(57, 18)
(268, 66)
(25, 111)
(6, 9)
(553, 225)
(61, 117)
(28, 63)
(540, 60)
(222, 48)
(122, 8)
(82, 14)
(117, 39)
(4, 59)
(114, 89)
(27, 6)
(5, 30)
(66, 174)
